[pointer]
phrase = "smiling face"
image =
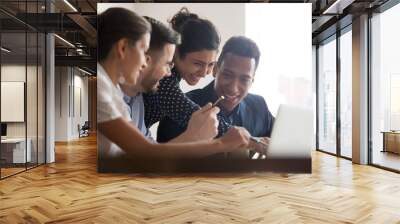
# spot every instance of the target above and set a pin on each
(233, 79)
(133, 58)
(158, 66)
(196, 65)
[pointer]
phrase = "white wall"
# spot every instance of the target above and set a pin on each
(15, 73)
(101, 7)
(283, 34)
(69, 85)
(12, 101)
(61, 104)
(80, 102)
(33, 126)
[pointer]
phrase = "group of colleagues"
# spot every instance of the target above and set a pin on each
(141, 62)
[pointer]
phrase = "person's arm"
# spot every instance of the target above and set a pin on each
(184, 137)
(170, 101)
(130, 139)
(203, 125)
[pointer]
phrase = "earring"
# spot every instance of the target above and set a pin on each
(121, 79)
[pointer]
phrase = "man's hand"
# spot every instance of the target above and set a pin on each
(236, 139)
(203, 125)
(261, 146)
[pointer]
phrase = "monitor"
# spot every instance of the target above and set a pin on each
(3, 129)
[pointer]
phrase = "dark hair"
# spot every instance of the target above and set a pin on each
(196, 34)
(115, 24)
(241, 46)
(161, 35)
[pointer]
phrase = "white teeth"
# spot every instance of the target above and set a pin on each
(228, 96)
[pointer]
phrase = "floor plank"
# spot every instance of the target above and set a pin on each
(71, 191)
(386, 159)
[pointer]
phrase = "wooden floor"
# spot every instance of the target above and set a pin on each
(5, 172)
(387, 159)
(71, 191)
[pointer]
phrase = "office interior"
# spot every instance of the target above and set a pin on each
(48, 126)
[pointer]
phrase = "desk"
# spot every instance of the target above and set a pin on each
(391, 141)
(13, 150)
(126, 165)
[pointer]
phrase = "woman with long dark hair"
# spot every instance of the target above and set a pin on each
(194, 58)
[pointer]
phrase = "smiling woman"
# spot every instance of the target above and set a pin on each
(128, 44)
(194, 59)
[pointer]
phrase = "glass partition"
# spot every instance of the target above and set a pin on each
(327, 96)
(41, 109)
(346, 94)
(14, 144)
(22, 88)
(385, 89)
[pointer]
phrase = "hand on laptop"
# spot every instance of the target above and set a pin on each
(260, 145)
(239, 139)
(203, 125)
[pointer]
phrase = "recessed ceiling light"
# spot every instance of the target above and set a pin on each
(337, 7)
(70, 5)
(65, 41)
(5, 50)
(84, 71)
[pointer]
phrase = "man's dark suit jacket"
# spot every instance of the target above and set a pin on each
(252, 113)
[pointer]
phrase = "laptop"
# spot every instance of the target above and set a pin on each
(292, 133)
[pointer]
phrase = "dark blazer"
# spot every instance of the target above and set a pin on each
(252, 113)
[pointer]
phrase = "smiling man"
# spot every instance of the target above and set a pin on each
(234, 75)
(159, 63)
